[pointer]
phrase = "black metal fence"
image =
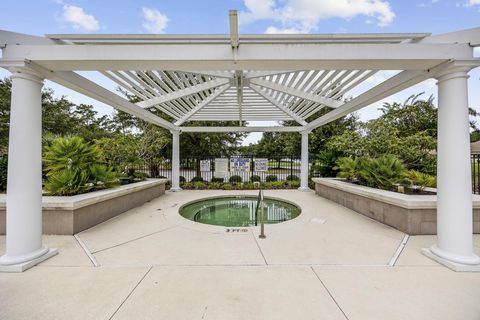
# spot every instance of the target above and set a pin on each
(475, 163)
(280, 167)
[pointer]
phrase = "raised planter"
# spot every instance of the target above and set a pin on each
(412, 214)
(70, 215)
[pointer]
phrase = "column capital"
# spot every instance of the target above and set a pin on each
(307, 132)
(177, 132)
(27, 74)
(452, 72)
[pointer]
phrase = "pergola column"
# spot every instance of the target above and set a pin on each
(24, 247)
(175, 161)
(454, 246)
(304, 162)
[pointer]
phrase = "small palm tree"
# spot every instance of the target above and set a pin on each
(71, 153)
(74, 166)
(347, 168)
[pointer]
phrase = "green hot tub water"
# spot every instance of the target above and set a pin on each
(238, 211)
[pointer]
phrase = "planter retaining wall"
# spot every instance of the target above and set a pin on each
(412, 214)
(70, 215)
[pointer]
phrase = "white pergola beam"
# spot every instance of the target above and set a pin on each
(241, 129)
(182, 93)
(390, 86)
(82, 85)
(261, 56)
(295, 92)
(279, 105)
(197, 108)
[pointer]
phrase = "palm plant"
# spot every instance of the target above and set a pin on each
(74, 166)
(383, 172)
(71, 153)
(347, 168)
(420, 179)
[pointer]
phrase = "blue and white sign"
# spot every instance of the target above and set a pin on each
(240, 164)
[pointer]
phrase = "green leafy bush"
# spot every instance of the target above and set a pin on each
(197, 179)
(383, 172)
(325, 164)
(241, 186)
(217, 180)
(3, 172)
(199, 185)
(73, 166)
(293, 184)
(235, 179)
(140, 176)
(292, 177)
(255, 178)
(347, 168)
(271, 178)
(182, 179)
(420, 179)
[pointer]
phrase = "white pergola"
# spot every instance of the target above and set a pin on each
(240, 78)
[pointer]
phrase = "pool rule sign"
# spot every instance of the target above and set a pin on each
(221, 167)
(205, 165)
(240, 164)
(261, 165)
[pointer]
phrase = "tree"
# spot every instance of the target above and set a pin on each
(407, 131)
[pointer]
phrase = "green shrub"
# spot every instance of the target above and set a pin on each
(235, 179)
(347, 168)
(72, 154)
(383, 172)
(325, 164)
(102, 177)
(292, 177)
(68, 182)
(215, 185)
(73, 166)
(140, 176)
(271, 178)
(3, 172)
(217, 180)
(293, 184)
(199, 185)
(274, 185)
(197, 179)
(420, 179)
(182, 179)
(255, 178)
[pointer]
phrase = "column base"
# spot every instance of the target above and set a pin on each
(455, 266)
(176, 189)
(304, 189)
(22, 266)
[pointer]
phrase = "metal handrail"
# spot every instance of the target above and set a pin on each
(260, 204)
(259, 198)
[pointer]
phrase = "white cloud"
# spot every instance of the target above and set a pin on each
(471, 3)
(154, 21)
(79, 19)
(275, 30)
(304, 15)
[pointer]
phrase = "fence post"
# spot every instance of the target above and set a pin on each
(291, 165)
(252, 168)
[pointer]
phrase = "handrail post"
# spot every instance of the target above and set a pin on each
(262, 217)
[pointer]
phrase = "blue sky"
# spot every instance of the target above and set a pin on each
(41, 17)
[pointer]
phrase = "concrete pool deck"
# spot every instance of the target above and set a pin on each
(329, 263)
